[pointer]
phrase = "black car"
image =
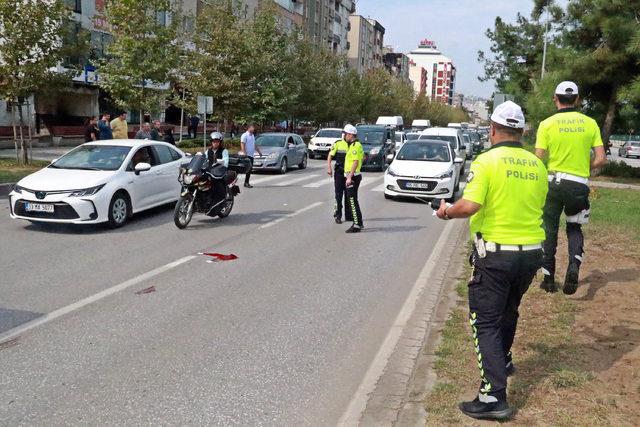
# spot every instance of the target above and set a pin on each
(378, 142)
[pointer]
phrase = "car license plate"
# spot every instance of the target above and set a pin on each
(417, 185)
(39, 207)
(257, 163)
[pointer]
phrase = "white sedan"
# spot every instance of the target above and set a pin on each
(103, 181)
(322, 142)
(423, 168)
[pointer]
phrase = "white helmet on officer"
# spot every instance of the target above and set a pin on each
(216, 135)
(351, 129)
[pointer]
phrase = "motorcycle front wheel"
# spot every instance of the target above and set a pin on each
(226, 210)
(183, 211)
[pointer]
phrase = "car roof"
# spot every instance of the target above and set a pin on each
(329, 129)
(277, 134)
(441, 131)
(125, 142)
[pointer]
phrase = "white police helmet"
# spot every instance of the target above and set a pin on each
(350, 129)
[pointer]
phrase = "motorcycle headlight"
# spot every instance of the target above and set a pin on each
(445, 175)
(374, 151)
(86, 192)
(272, 156)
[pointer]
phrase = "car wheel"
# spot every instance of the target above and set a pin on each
(284, 166)
(119, 209)
(303, 164)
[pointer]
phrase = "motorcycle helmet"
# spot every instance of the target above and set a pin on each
(216, 135)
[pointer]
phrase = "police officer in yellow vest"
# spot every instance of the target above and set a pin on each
(338, 152)
(352, 165)
(567, 138)
(504, 196)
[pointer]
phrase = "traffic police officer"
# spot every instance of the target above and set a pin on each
(567, 138)
(504, 196)
(339, 151)
(352, 164)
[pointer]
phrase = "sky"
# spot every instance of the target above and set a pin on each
(457, 26)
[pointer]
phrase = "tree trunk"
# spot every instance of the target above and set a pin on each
(15, 131)
(23, 149)
(611, 115)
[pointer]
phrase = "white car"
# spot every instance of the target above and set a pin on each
(427, 168)
(401, 138)
(103, 181)
(451, 135)
(322, 142)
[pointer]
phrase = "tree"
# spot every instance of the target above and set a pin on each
(144, 54)
(31, 34)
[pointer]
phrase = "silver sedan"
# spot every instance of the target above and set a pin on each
(280, 152)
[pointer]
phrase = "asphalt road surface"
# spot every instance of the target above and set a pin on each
(631, 161)
(281, 336)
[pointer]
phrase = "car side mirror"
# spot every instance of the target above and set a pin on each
(142, 167)
(458, 160)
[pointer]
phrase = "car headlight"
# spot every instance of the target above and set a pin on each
(273, 156)
(391, 172)
(17, 189)
(445, 175)
(374, 151)
(86, 192)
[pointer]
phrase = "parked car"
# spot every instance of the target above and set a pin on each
(378, 142)
(103, 181)
(629, 149)
(280, 151)
(452, 135)
(426, 168)
(322, 142)
(468, 145)
(401, 138)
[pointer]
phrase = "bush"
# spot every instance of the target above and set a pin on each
(620, 170)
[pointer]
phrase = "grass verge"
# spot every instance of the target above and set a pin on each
(569, 351)
(12, 171)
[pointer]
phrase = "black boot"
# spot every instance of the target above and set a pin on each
(549, 284)
(499, 410)
(353, 229)
(338, 220)
(571, 279)
(510, 367)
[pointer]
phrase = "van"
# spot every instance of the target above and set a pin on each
(420, 125)
(454, 125)
(395, 122)
(452, 135)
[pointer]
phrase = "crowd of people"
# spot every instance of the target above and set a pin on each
(118, 128)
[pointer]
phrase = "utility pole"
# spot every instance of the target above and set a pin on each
(544, 50)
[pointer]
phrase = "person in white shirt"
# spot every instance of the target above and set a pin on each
(248, 146)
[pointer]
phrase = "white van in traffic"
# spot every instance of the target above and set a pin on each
(452, 135)
(395, 122)
(420, 125)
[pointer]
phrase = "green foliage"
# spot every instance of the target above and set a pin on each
(144, 53)
(620, 170)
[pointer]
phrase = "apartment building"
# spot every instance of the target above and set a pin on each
(396, 63)
(441, 72)
(418, 76)
(366, 43)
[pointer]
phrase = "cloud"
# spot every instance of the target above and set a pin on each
(457, 27)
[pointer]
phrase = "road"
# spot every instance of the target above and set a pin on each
(281, 336)
(615, 157)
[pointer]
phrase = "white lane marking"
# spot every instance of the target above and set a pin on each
(322, 181)
(18, 330)
(370, 180)
(291, 215)
(353, 414)
(379, 188)
(266, 179)
(296, 180)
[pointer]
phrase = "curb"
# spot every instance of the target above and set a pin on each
(5, 188)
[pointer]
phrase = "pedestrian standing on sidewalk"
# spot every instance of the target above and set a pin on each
(504, 196)
(248, 147)
(120, 127)
(566, 139)
(105, 127)
(194, 121)
(339, 152)
(91, 131)
(352, 164)
(156, 133)
(144, 132)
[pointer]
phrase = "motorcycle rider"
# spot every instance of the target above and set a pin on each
(216, 150)
(218, 162)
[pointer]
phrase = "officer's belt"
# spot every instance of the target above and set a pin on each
(561, 176)
(497, 247)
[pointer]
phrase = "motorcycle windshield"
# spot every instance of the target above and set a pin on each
(197, 163)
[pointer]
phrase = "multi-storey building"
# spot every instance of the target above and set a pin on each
(327, 23)
(366, 39)
(441, 71)
(396, 63)
(418, 76)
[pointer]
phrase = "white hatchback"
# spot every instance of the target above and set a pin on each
(426, 168)
(103, 181)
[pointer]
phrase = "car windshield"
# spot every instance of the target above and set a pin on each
(371, 137)
(270, 141)
(329, 133)
(398, 137)
(93, 157)
(635, 144)
(425, 152)
(412, 136)
(451, 139)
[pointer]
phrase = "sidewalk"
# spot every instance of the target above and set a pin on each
(46, 153)
(607, 184)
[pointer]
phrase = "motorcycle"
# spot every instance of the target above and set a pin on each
(207, 190)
